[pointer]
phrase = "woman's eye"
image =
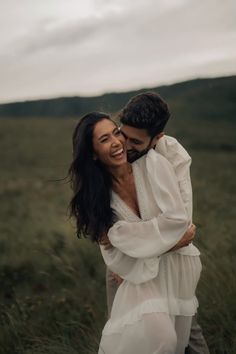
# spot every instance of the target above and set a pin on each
(104, 140)
(117, 132)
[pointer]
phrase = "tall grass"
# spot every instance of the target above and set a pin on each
(52, 294)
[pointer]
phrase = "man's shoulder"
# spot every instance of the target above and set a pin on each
(152, 157)
(170, 148)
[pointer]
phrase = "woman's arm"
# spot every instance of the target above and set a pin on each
(135, 270)
(156, 236)
(132, 269)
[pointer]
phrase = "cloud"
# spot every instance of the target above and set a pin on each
(65, 35)
(108, 17)
(174, 22)
(121, 45)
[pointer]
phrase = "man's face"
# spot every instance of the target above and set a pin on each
(138, 141)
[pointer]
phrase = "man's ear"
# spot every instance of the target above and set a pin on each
(157, 137)
(160, 135)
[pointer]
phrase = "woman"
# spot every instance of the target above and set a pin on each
(153, 306)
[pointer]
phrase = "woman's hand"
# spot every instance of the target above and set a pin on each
(106, 242)
(117, 278)
(107, 246)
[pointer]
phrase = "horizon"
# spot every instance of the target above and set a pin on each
(113, 92)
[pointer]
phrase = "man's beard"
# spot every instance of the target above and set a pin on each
(133, 155)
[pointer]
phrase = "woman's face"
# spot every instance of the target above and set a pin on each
(109, 144)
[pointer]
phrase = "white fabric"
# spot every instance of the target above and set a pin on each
(156, 334)
(175, 153)
(181, 161)
(154, 283)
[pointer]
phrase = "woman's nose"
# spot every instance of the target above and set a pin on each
(116, 141)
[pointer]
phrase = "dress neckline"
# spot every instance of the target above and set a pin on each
(124, 205)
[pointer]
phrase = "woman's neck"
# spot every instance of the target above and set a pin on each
(121, 173)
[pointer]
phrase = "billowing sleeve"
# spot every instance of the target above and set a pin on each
(158, 235)
(181, 161)
(134, 270)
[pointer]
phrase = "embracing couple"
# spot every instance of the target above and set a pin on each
(133, 196)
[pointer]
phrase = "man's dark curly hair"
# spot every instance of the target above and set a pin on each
(146, 111)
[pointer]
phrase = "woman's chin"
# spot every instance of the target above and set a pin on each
(116, 162)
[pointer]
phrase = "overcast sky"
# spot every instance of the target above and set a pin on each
(53, 48)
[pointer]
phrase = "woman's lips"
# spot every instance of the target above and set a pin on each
(118, 152)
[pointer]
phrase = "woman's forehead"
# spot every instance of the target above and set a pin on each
(105, 126)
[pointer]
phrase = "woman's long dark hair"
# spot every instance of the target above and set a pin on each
(90, 182)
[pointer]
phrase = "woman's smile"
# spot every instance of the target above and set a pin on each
(109, 144)
(118, 153)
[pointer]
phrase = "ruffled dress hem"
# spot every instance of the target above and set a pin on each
(173, 307)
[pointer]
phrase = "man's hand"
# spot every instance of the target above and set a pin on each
(107, 246)
(186, 239)
(117, 278)
(106, 242)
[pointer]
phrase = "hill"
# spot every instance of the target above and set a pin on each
(200, 98)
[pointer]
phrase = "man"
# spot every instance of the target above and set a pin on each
(143, 121)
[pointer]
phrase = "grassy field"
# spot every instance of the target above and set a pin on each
(52, 294)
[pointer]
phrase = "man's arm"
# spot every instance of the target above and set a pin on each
(175, 153)
(180, 160)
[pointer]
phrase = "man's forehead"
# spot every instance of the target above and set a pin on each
(134, 133)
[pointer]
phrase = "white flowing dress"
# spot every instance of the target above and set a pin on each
(157, 296)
